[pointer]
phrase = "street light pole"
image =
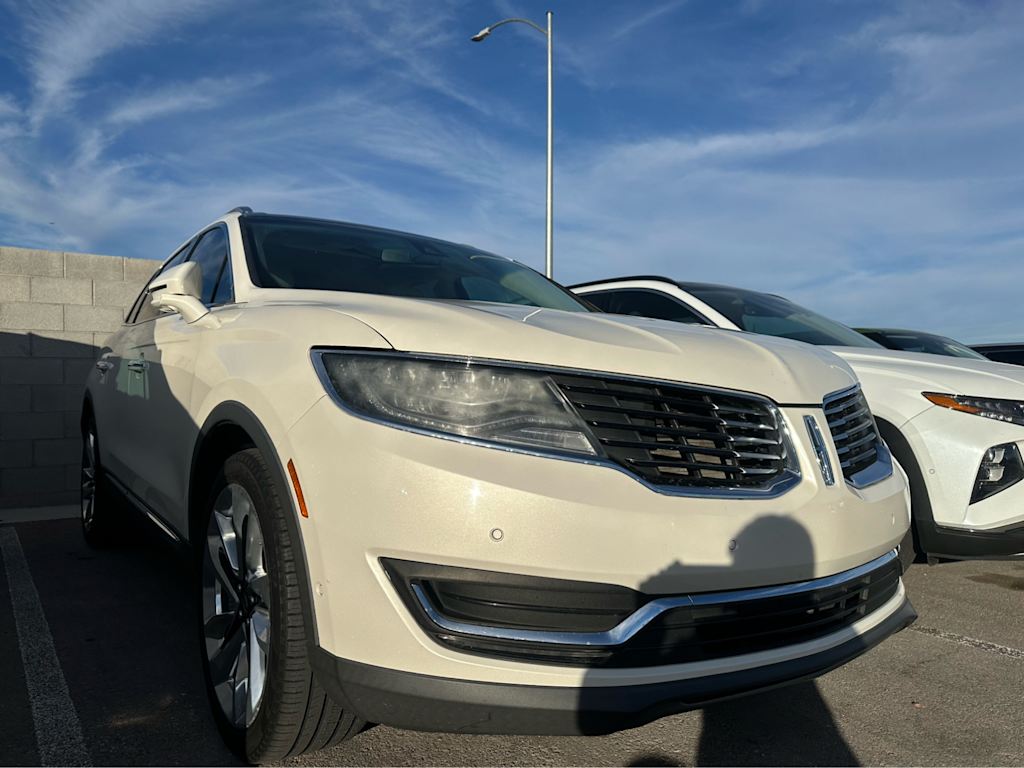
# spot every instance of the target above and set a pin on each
(549, 250)
(549, 254)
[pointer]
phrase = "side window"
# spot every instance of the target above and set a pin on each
(644, 303)
(142, 308)
(211, 254)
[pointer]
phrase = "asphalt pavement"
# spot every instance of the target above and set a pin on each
(99, 662)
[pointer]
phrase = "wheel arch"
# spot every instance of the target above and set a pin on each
(921, 519)
(231, 427)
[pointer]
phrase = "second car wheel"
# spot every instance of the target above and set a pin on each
(264, 696)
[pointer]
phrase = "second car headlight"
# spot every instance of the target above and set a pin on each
(507, 406)
(1001, 410)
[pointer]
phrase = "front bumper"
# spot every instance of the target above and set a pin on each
(429, 703)
(376, 492)
(949, 447)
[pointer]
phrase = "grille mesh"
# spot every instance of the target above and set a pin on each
(853, 430)
(680, 436)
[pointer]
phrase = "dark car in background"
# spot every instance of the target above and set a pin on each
(1002, 353)
(918, 341)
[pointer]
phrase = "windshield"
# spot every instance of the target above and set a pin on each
(328, 256)
(775, 316)
(930, 343)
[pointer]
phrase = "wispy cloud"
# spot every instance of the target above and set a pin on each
(204, 93)
(642, 20)
(64, 41)
(864, 162)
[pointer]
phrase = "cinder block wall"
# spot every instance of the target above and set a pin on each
(56, 310)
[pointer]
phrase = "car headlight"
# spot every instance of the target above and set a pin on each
(507, 406)
(991, 408)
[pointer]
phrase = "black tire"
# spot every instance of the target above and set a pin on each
(293, 714)
(911, 550)
(99, 511)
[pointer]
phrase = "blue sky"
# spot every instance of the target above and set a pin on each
(863, 158)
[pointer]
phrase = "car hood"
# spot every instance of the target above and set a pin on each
(787, 372)
(938, 373)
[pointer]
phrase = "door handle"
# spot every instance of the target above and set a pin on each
(139, 366)
(103, 366)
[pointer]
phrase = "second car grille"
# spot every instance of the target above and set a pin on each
(673, 435)
(853, 430)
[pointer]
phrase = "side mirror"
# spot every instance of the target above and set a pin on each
(179, 289)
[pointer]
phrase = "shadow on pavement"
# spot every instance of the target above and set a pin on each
(124, 627)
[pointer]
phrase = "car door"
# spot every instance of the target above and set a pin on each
(163, 355)
(121, 384)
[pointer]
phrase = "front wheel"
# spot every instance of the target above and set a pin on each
(266, 701)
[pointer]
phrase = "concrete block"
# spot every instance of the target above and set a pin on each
(15, 398)
(63, 344)
(26, 316)
(31, 426)
(31, 370)
(61, 290)
(76, 372)
(22, 481)
(73, 422)
(99, 340)
(113, 293)
(15, 453)
(14, 287)
(52, 453)
(73, 475)
(93, 266)
(16, 344)
(78, 318)
(29, 261)
(57, 398)
(138, 271)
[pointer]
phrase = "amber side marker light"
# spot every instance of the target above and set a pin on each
(298, 488)
(948, 401)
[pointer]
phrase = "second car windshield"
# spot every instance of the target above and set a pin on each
(927, 342)
(329, 256)
(776, 316)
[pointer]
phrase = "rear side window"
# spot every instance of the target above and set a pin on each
(211, 254)
(644, 303)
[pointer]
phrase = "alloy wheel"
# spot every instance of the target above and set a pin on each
(90, 462)
(236, 606)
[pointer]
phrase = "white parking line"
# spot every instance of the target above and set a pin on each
(970, 642)
(58, 732)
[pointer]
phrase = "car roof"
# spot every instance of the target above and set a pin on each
(1010, 345)
(898, 331)
(685, 285)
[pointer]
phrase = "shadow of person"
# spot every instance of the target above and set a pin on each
(789, 725)
(786, 726)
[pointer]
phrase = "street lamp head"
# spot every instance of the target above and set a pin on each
(483, 33)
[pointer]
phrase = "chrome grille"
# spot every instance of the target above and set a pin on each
(853, 430)
(678, 436)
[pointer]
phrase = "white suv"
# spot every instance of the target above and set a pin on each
(427, 487)
(964, 471)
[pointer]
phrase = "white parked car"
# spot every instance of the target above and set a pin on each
(427, 487)
(954, 424)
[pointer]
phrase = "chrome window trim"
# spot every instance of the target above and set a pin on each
(644, 615)
(820, 450)
(882, 469)
(787, 479)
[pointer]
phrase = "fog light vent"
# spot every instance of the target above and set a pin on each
(1000, 468)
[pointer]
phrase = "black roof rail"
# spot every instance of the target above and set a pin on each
(240, 209)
